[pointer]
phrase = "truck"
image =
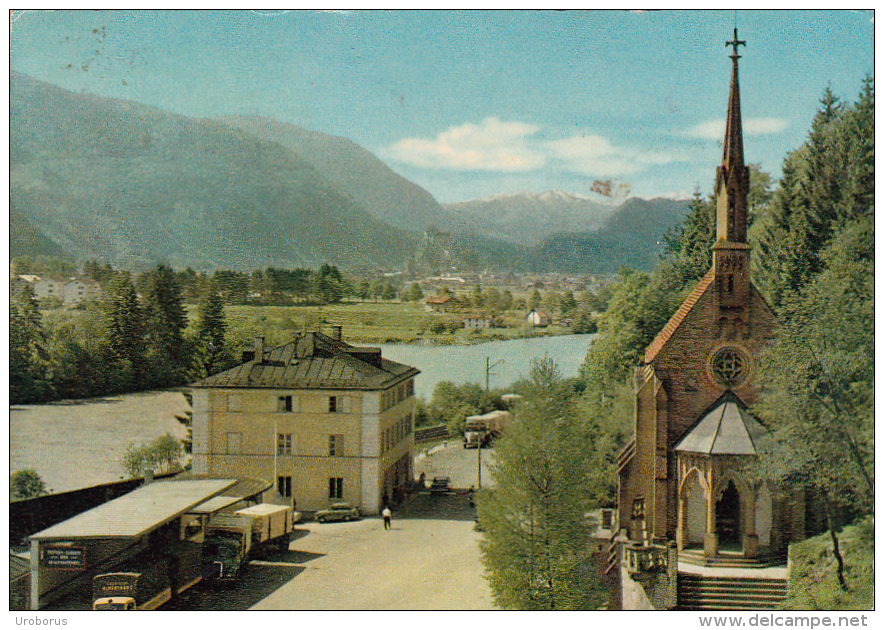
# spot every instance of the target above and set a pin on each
(480, 430)
(226, 547)
(271, 524)
(149, 579)
(231, 539)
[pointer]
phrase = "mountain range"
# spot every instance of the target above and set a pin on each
(93, 177)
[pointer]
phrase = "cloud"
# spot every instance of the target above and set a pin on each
(492, 145)
(595, 155)
(714, 129)
(515, 147)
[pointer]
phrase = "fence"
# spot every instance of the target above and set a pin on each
(430, 433)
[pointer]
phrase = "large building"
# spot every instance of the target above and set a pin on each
(326, 420)
(685, 478)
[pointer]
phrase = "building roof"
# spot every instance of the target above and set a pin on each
(727, 429)
(139, 512)
(438, 299)
(313, 361)
(675, 321)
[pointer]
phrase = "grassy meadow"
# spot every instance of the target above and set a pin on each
(369, 322)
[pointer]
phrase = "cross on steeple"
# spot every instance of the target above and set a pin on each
(735, 44)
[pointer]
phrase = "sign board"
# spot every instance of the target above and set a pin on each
(63, 557)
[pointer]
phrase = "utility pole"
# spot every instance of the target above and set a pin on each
(488, 367)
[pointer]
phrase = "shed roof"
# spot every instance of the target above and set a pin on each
(726, 429)
(138, 512)
(313, 361)
(214, 504)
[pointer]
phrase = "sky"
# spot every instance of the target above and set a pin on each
(473, 104)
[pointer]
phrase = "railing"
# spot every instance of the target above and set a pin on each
(626, 454)
(612, 562)
(430, 433)
(645, 559)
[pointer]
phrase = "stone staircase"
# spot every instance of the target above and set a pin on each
(724, 559)
(705, 592)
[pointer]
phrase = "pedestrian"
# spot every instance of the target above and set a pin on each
(388, 518)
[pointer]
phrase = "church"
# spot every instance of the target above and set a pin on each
(686, 488)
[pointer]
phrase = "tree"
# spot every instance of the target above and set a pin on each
(363, 292)
(567, 304)
(210, 348)
(165, 321)
(535, 300)
(819, 374)
(329, 285)
(26, 484)
(547, 474)
(27, 354)
(124, 333)
(477, 298)
(389, 293)
(414, 293)
(159, 456)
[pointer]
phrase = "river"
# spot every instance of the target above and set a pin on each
(76, 444)
(466, 364)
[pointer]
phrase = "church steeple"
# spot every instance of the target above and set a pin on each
(732, 178)
(731, 252)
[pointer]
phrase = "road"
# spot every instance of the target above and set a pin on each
(459, 464)
(429, 560)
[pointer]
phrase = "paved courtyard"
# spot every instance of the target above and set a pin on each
(430, 559)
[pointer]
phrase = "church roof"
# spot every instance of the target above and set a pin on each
(313, 361)
(727, 429)
(675, 321)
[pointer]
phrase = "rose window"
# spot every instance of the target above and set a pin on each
(729, 366)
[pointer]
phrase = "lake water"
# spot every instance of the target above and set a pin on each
(76, 444)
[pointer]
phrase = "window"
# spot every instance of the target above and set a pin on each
(234, 443)
(332, 404)
(409, 388)
(729, 366)
(730, 284)
(284, 486)
(336, 488)
(283, 443)
(234, 402)
(335, 445)
(284, 404)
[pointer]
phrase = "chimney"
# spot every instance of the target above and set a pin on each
(338, 332)
(259, 349)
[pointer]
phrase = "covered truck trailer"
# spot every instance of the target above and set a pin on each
(271, 524)
(482, 429)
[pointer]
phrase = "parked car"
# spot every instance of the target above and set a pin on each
(440, 485)
(338, 512)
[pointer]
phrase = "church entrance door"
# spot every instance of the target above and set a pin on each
(727, 518)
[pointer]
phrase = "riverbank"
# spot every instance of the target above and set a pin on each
(374, 323)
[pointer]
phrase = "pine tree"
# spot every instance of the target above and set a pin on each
(209, 343)
(165, 320)
(124, 334)
(27, 353)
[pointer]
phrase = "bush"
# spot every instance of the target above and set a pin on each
(160, 456)
(26, 484)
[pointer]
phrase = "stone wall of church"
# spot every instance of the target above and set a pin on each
(684, 366)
